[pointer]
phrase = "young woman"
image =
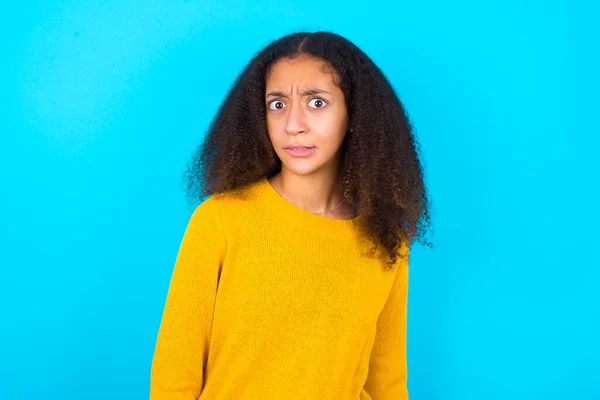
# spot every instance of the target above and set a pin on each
(291, 281)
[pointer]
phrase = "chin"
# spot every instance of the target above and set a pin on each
(307, 169)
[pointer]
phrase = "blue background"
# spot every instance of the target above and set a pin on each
(104, 102)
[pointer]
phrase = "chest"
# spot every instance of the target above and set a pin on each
(311, 285)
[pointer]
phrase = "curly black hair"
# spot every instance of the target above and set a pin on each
(380, 172)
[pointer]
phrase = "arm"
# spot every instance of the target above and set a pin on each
(388, 371)
(184, 334)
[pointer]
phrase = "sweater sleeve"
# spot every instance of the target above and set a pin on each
(388, 369)
(181, 351)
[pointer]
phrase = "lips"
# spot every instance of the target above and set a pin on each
(300, 152)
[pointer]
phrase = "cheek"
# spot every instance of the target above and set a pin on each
(334, 130)
(273, 126)
(271, 130)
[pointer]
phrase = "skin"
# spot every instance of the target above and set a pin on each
(304, 106)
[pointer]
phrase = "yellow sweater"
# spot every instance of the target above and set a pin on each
(269, 301)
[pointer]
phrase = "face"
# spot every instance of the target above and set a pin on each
(304, 107)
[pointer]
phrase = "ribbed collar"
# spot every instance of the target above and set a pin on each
(305, 219)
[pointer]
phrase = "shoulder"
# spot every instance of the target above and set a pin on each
(232, 204)
(235, 199)
(205, 219)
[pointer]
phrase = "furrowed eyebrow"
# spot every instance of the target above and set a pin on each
(307, 92)
(311, 92)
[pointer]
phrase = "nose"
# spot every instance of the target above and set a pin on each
(296, 122)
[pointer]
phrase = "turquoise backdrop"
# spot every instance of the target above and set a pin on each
(102, 104)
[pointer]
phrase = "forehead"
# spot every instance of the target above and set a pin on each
(300, 70)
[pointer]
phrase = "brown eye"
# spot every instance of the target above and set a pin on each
(276, 105)
(317, 103)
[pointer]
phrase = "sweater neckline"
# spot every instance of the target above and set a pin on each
(304, 218)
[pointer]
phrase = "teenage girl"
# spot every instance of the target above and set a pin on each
(291, 280)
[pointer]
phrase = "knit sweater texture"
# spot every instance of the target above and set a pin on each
(270, 301)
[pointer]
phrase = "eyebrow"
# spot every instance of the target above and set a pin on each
(307, 92)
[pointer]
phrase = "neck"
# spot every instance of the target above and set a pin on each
(311, 192)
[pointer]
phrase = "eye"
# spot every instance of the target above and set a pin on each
(276, 105)
(317, 102)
